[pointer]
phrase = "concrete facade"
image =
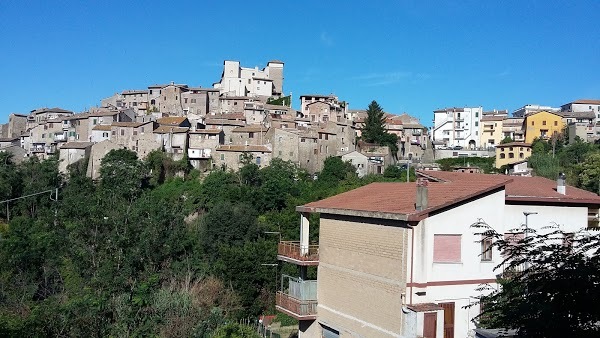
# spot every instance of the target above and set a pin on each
(457, 126)
(254, 82)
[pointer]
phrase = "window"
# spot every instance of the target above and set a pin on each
(511, 155)
(43, 135)
(533, 123)
(315, 151)
(185, 100)
(152, 102)
(122, 132)
(543, 123)
(502, 155)
(104, 134)
(193, 100)
(446, 248)
(150, 91)
(249, 81)
(476, 114)
(222, 157)
(291, 154)
(521, 155)
(486, 249)
(476, 123)
(142, 130)
(258, 160)
(513, 238)
(235, 103)
(135, 104)
(114, 133)
(302, 140)
(135, 132)
(555, 123)
(251, 135)
(94, 121)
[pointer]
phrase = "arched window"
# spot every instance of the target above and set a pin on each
(502, 155)
(521, 155)
(153, 102)
(511, 155)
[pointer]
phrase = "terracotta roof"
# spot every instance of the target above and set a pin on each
(170, 129)
(104, 127)
(525, 189)
(250, 129)
(244, 148)
(397, 200)
(513, 144)
(76, 145)
(172, 120)
(128, 124)
(424, 307)
(231, 116)
(216, 122)
(206, 131)
(586, 101)
(578, 114)
(493, 118)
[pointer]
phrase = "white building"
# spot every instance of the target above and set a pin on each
(403, 260)
(529, 109)
(457, 127)
(254, 82)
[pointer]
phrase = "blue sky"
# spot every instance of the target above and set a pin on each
(410, 56)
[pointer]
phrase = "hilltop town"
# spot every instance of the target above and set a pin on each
(247, 112)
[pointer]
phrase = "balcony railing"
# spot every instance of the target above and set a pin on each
(293, 252)
(37, 149)
(299, 309)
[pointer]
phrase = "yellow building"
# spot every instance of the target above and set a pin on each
(490, 131)
(513, 152)
(542, 125)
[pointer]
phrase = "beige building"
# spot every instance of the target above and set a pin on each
(232, 156)
(254, 82)
(72, 152)
(251, 134)
(490, 131)
(510, 153)
(323, 108)
(513, 127)
(173, 140)
(202, 144)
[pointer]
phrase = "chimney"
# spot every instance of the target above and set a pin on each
(422, 194)
(561, 188)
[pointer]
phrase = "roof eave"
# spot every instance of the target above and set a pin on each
(355, 213)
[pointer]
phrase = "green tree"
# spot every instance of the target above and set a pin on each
(507, 139)
(336, 170)
(235, 331)
(122, 173)
(590, 173)
(374, 130)
(548, 282)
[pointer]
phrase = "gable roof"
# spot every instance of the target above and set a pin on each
(524, 189)
(586, 101)
(396, 201)
(170, 129)
(172, 120)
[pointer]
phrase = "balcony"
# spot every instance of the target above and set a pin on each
(37, 148)
(299, 299)
(60, 137)
(199, 153)
(50, 149)
(293, 252)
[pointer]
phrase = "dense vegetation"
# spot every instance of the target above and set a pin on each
(145, 252)
(374, 129)
(549, 285)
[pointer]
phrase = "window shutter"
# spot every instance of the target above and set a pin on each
(446, 248)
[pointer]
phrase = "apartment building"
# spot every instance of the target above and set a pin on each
(513, 127)
(457, 127)
(402, 259)
(582, 117)
(490, 132)
(529, 109)
(253, 82)
(511, 153)
(542, 125)
(233, 156)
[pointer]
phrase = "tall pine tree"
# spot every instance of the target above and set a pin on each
(373, 131)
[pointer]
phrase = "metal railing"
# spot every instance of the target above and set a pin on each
(301, 308)
(293, 250)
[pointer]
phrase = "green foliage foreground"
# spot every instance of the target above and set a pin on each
(549, 284)
(143, 253)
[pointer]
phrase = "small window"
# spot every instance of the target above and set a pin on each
(122, 132)
(222, 157)
(135, 132)
(521, 155)
(235, 103)
(511, 155)
(135, 104)
(533, 123)
(502, 155)
(258, 160)
(251, 135)
(185, 100)
(543, 123)
(302, 140)
(315, 151)
(555, 123)
(486, 249)
(476, 123)
(104, 134)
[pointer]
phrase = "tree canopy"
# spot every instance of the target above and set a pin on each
(374, 129)
(548, 283)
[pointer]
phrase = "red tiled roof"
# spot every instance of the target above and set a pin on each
(172, 120)
(586, 101)
(527, 189)
(397, 200)
(513, 144)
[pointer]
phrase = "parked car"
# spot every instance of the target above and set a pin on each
(457, 148)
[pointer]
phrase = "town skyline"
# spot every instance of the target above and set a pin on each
(405, 56)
